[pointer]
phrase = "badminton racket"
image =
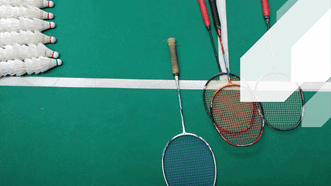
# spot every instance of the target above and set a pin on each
(239, 123)
(220, 79)
(287, 115)
(187, 159)
(7, 11)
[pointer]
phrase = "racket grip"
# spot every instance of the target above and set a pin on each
(214, 12)
(265, 8)
(204, 12)
(173, 56)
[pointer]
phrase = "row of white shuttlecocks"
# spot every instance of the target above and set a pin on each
(22, 48)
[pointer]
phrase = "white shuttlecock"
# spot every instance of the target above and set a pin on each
(29, 66)
(24, 37)
(17, 51)
(7, 11)
(14, 24)
(36, 3)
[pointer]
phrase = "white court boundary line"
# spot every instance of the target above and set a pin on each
(125, 83)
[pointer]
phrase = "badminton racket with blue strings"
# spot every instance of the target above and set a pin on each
(187, 159)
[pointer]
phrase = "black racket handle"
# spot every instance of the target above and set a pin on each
(214, 12)
(173, 56)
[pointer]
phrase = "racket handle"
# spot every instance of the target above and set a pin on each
(266, 12)
(173, 56)
(265, 8)
(214, 12)
(204, 13)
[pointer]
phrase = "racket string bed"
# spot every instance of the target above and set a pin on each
(239, 123)
(188, 157)
(284, 115)
(213, 84)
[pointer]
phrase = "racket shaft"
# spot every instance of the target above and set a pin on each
(217, 24)
(175, 71)
(206, 20)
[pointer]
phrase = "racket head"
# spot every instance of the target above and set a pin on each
(239, 123)
(188, 159)
(213, 84)
(282, 116)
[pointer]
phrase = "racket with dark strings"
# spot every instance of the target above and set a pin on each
(283, 116)
(220, 79)
(239, 123)
(187, 159)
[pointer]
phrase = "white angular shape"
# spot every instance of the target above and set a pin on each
(311, 54)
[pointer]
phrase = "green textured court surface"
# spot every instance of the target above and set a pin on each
(93, 137)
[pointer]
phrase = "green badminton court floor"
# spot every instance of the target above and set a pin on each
(109, 136)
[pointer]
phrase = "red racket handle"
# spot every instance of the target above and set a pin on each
(204, 12)
(265, 8)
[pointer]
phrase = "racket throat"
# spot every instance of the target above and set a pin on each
(180, 103)
(267, 21)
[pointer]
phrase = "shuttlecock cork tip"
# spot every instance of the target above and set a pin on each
(50, 16)
(52, 25)
(50, 4)
(59, 62)
(53, 40)
(56, 55)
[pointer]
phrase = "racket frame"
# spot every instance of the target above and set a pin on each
(302, 99)
(187, 134)
(257, 106)
(205, 89)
